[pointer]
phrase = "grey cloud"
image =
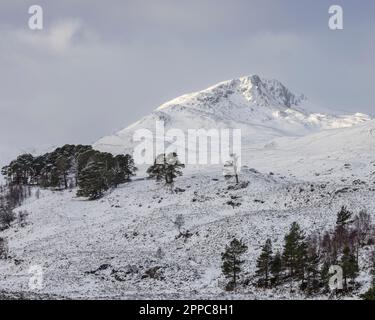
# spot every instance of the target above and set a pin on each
(99, 66)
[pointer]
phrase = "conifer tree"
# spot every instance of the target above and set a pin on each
(124, 169)
(232, 262)
(343, 217)
(264, 264)
(167, 167)
(302, 261)
(325, 275)
(370, 293)
(350, 268)
(276, 268)
(92, 180)
(294, 253)
(312, 269)
(342, 231)
(156, 171)
(173, 167)
(62, 169)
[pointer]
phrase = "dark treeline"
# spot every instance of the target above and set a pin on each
(100, 171)
(71, 166)
(57, 169)
(92, 171)
(306, 260)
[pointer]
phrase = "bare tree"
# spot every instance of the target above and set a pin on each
(231, 167)
(363, 226)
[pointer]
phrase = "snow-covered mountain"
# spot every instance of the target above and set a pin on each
(325, 155)
(263, 110)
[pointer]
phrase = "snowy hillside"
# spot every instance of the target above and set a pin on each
(109, 248)
(262, 109)
(298, 164)
(326, 155)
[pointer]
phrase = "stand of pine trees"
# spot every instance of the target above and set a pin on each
(98, 172)
(307, 260)
(93, 172)
(56, 169)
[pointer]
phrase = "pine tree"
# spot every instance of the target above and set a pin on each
(54, 178)
(370, 293)
(123, 169)
(343, 217)
(167, 167)
(312, 269)
(276, 268)
(302, 261)
(325, 275)
(232, 262)
(173, 167)
(349, 266)
(92, 180)
(294, 254)
(62, 170)
(264, 263)
(341, 232)
(156, 171)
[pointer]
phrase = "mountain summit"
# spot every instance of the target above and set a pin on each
(253, 89)
(262, 108)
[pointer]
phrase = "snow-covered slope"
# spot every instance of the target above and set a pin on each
(326, 155)
(262, 109)
(109, 248)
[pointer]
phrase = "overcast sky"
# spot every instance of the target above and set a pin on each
(98, 66)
